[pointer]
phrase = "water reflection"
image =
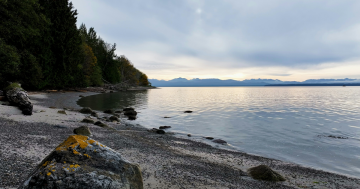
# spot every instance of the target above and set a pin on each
(115, 101)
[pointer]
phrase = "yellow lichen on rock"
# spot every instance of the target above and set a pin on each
(87, 156)
(48, 174)
(72, 142)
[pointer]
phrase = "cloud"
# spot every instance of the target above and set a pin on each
(228, 35)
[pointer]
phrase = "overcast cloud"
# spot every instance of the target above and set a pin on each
(237, 39)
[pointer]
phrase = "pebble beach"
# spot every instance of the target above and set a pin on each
(166, 161)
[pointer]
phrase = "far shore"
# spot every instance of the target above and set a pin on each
(166, 161)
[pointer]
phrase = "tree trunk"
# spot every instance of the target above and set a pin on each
(19, 97)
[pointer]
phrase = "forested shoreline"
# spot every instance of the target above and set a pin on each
(42, 48)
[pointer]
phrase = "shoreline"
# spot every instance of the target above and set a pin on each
(165, 160)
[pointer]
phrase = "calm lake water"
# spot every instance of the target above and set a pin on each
(285, 123)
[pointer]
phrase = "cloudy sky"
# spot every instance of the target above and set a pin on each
(231, 39)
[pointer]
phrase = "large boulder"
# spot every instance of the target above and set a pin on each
(19, 97)
(80, 162)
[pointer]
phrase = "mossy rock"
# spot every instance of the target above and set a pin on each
(263, 172)
(101, 124)
(83, 130)
(13, 86)
(87, 120)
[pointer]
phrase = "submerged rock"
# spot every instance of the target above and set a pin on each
(80, 162)
(219, 141)
(164, 127)
(86, 110)
(128, 109)
(338, 137)
(109, 111)
(263, 172)
(83, 130)
(167, 117)
(130, 113)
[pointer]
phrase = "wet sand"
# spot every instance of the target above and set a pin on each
(166, 161)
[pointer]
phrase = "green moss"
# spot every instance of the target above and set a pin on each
(12, 86)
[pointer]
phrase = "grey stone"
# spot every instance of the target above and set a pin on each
(86, 110)
(88, 120)
(80, 162)
(83, 130)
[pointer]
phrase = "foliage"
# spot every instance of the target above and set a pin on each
(143, 81)
(12, 86)
(41, 47)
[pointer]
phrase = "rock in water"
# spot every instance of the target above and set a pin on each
(128, 109)
(219, 141)
(80, 162)
(188, 111)
(83, 130)
(130, 113)
(164, 127)
(20, 98)
(263, 172)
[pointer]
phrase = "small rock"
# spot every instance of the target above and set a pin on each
(87, 120)
(117, 115)
(263, 172)
(159, 131)
(167, 117)
(130, 113)
(128, 109)
(83, 130)
(101, 124)
(164, 127)
(118, 111)
(188, 111)
(109, 111)
(61, 112)
(219, 141)
(94, 114)
(209, 138)
(189, 135)
(86, 110)
(131, 117)
(42, 111)
(52, 107)
(114, 118)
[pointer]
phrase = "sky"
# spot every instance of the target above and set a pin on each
(231, 39)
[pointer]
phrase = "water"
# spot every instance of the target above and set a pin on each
(286, 123)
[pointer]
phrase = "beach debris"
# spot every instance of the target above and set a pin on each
(263, 172)
(164, 127)
(101, 124)
(128, 109)
(87, 120)
(109, 111)
(61, 112)
(189, 135)
(209, 138)
(188, 111)
(86, 110)
(83, 130)
(81, 162)
(114, 118)
(219, 141)
(19, 97)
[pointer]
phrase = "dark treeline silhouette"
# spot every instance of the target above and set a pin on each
(41, 47)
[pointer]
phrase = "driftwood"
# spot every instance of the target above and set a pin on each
(19, 97)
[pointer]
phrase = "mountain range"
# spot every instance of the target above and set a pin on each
(196, 82)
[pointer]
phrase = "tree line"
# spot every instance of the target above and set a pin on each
(41, 47)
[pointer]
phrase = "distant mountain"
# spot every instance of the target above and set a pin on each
(196, 82)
